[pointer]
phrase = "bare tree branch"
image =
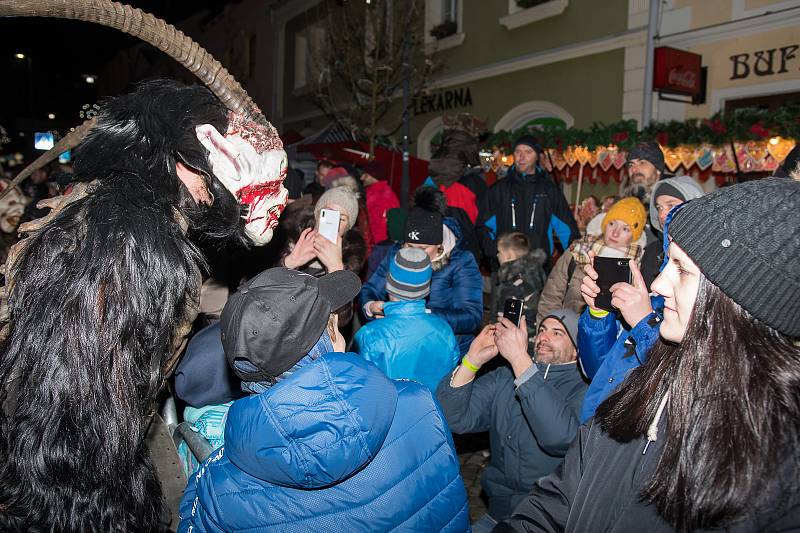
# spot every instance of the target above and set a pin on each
(361, 65)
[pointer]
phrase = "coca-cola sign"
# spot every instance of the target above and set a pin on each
(677, 71)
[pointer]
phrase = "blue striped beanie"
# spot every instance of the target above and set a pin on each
(409, 274)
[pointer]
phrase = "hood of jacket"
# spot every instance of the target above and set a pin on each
(453, 241)
(315, 429)
(525, 265)
(685, 184)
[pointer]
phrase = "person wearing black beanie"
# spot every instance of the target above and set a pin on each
(456, 285)
(706, 435)
(527, 200)
(791, 165)
(645, 166)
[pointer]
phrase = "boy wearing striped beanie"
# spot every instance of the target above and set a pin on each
(409, 342)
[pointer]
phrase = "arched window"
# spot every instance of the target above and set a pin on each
(427, 135)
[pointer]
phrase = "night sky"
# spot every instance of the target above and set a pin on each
(58, 54)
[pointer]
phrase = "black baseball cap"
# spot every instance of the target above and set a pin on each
(276, 318)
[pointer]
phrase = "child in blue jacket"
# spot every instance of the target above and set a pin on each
(409, 342)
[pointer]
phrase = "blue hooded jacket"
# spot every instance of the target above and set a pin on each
(456, 289)
(336, 446)
(409, 343)
(608, 351)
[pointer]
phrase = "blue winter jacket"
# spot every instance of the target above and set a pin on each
(336, 446)
(608, 351)
(456, 290)
(409, 343)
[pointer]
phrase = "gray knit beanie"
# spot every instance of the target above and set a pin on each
(568, 319)
(344, 198)
(410, 274)
(746, 241)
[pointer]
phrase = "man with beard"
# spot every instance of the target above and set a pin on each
(645, 167)
(530, 406)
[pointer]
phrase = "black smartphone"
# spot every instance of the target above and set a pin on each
(610, 270)
(513, 310)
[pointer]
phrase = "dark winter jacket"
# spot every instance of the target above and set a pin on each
(530, 426)
(523, 279)
(336, 446)
(608, 351)
(456, 290)
(598, 488)
(531, 204)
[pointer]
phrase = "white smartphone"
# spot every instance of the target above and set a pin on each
(329, 224)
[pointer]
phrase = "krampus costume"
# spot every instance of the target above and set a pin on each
(103, 290)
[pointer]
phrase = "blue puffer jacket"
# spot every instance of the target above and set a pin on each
(608, 351)
(456, 289)
(336, 446)
(409, 343)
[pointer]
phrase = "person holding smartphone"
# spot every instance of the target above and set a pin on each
(530, 406)
(317, 254)
(704, 437)
(622, 227)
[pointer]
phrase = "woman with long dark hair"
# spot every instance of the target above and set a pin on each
(706, 435)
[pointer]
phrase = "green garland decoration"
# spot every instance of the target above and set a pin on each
(747, 124)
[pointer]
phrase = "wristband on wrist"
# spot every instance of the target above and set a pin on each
(466, 362)
(598, 313)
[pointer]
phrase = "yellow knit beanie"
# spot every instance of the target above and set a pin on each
(631, 211)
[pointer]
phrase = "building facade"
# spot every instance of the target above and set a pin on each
(751, 49)
(516, 62)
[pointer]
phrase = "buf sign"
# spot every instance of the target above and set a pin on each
(677, 71)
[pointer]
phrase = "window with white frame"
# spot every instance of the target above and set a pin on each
(522, 12)
(450, 10)
(309, 47)
(443, 24)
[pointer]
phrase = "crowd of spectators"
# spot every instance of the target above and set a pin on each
(324, 385)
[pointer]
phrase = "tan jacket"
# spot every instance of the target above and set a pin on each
(556, 294)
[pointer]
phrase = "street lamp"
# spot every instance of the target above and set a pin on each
(19, 55)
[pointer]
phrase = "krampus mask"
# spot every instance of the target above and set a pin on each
(100, 294)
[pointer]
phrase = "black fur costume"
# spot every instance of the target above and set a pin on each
(95, 308)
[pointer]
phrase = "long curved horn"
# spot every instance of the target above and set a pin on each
(150, 29)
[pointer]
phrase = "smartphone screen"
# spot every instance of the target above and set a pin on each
(329, 224)
(610, 270)
(513, 310)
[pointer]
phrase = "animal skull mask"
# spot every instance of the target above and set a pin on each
(250, 162)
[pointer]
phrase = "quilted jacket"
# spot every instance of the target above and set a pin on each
(336, 446)
(409, 343)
